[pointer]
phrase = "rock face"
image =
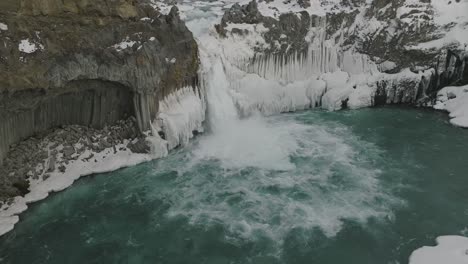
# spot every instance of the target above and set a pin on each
(417, 45)
(87, 63)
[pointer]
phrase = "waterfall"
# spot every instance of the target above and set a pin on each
(237, 83)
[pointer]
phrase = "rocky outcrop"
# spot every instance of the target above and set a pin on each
(35, 158)
(87, 63)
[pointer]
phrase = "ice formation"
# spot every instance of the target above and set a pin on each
(323, 76)
(180, 114)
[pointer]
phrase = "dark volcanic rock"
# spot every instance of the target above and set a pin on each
(140, 146)
(36, 157)
(22, 185)
(87, 62)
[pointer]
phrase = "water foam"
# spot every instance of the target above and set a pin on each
(313, 177)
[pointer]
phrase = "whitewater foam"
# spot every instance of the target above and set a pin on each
(312, 177)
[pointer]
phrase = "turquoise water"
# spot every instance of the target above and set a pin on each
(364, 186)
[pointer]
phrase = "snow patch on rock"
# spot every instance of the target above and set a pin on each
(125, 44)
(3, 26)
(28, 46)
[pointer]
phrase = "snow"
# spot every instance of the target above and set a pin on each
(27, 46)
(172, 61)
(454, 99)
(447, 11)
(161, 6)
(106, 161)
(275, 8)
(239, 47)
(449, 249)
(3, 26)
(125, 44)
(452, 18)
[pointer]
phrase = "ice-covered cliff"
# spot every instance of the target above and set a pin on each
(292, 55)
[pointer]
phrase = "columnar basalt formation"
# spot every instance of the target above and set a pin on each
(88, 63)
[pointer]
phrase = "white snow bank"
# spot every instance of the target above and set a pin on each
(105, 161)
(27, 46)
(449, 250)
(454, 99)
(3, 26)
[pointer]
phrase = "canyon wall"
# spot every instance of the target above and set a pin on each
(88, 63)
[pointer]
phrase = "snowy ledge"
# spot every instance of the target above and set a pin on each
(449, 250)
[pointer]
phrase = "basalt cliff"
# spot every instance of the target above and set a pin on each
(79, 75)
